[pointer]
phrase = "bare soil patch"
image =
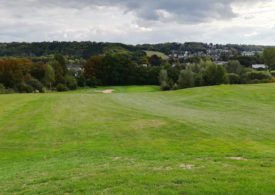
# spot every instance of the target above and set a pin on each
(186, 166)
(108, 91)
(237, 158)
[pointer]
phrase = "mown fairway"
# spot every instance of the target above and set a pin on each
(139, 140)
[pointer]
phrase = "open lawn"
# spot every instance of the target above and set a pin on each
(138, 140)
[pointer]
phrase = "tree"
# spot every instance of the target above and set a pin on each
(164, 80)
(14, 71)
(2, 89)
(59, 67)
(233, 78)
(214, 74)
(36, 85)
(186, 79)
(70, 81)
(49, 76)
(234, 66)
(155, 60)
(269, 57)
(94, 70)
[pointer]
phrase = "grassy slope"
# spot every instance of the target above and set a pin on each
(159, 54)
(138, 140)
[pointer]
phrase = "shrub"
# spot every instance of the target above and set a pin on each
(24, 88)
(164, 80)
(199, 79)
(71, 82)
(272, 73)
(234, 66)
(2, 89)
(61, 87)
(233, 78)
(36, 85)
(186, 79)
(175, 87)
(91, 82)
(214, 74)
(164, 85)
(258, 76)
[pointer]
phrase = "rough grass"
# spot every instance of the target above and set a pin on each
(138, 140)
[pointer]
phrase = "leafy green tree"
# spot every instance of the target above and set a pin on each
(186, 79)
(2, 89)
(214, 74)
(61, 87)
(164, 80)
(59, 67)
(155, 60)
(70, 81)
(269, 57)
(258, 76)
(49, 76)
(36, 85)
(233, 78)
(234, 66)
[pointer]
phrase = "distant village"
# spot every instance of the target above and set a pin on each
(219, 54)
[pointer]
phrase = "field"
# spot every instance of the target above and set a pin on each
(139, 140)
(157, 53)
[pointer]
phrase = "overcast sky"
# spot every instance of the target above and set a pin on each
(139, 21)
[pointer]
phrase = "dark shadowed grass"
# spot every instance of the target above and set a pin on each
(211, 140)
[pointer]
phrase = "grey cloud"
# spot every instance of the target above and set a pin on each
(183, 11)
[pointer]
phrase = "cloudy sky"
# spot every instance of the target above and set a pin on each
(139, 21)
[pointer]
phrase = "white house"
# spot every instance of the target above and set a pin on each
(259, 66)
(248, 53)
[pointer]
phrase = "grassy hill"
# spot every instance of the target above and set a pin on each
(157, 53)
(138, 140)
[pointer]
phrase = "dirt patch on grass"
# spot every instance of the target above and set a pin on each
(162, 168)
(186, 166)
(108, 91)
(237, 158)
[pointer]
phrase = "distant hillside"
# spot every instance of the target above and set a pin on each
(157, 53)
(78, 49)
(87, 49)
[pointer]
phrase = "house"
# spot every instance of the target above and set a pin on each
(248, 53)
(221, 63)
(259, 66)
(75, 68)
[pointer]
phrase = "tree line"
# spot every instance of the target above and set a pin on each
(207, 73)
(26, 76)
(126, 68)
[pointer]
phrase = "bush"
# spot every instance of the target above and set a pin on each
(25, 88)
(91, 82)
(164, 80)
(36, 85)
(234, 66)
(175, 87)
(186, 79)
(272, 73)
(258, 76)
(2, 89)
(214, 74)
(233, 78)
(71, 82)
(164, 85)
(61, 87)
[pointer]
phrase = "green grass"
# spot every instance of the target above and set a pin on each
(139, 140)
(159, 54)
